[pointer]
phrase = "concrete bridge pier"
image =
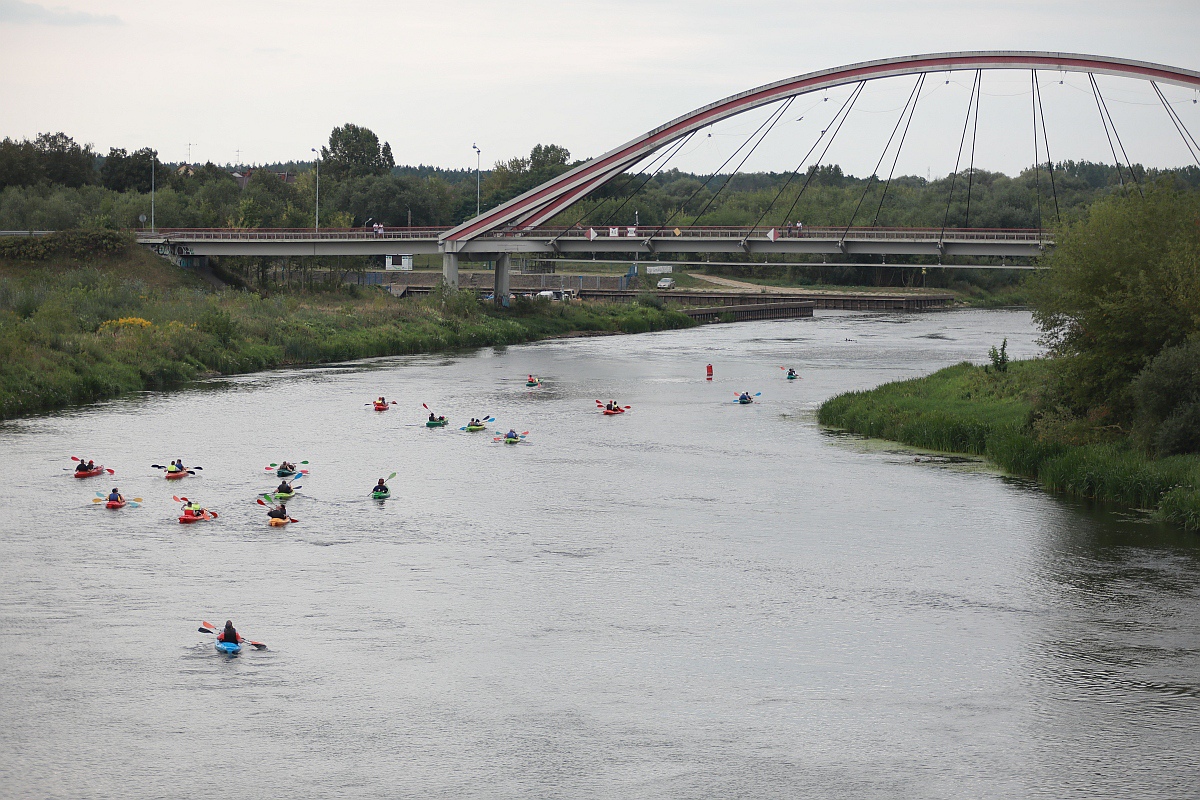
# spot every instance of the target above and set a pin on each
(503, 265)
(450, 269)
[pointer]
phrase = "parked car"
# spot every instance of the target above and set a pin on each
(666, 283)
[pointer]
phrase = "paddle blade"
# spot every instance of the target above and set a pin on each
(134, 503)
(268, 469)
(211, 628)
(200, 468)
(179, 499)
(110, 471)
(389, 477)
(259, 500)
(255, 645)
(97, 499)
(303, 462)
(204, 630)
(424, 406)
(293, 519)
(76, 458)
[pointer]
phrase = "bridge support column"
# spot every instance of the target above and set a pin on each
(503, 263)
(450, 269)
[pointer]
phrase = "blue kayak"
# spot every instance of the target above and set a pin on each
(229, 648)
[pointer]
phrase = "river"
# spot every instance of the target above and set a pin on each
(696, 599)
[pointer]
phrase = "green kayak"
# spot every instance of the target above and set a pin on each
(380, 495)
(439, 423)
(283, 495)
(473, 428)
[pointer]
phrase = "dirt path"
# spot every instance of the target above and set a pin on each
(743, 286)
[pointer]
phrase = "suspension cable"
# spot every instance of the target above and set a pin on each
(1104, 122)
(1046, 141)
(883, 155)
(974, 139)
(670, 152)
(1116, 134)
(958, 158)
(750, 152)
(899, 147)
(1037, 188)
(796, 171)
(812, 171)
(1177, 122)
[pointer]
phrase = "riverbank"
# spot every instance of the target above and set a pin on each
(967, 409)
(87, 328)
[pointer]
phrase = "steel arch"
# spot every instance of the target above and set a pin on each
(543, 202)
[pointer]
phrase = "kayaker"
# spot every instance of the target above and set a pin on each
(283, 488)
(230, 634)
(278, 513)
(432, 418)
(511, 435)
(176, 466)
(381, 487)
(288, 466)
(791, 373)
(191, 508)
(82, 466)
(115, 497)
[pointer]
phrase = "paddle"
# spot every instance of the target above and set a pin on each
(499, 437)
(208, 627)
(136, 502)
(259, 500)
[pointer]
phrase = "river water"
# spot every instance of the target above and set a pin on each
(697, 599)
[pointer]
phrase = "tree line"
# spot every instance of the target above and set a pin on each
(52, 182)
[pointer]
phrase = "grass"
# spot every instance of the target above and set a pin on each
(80, 330)
(966, 409)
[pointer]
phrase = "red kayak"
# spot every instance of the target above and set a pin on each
(115, 504)
(174, 476)
(187, 519)
(91, 473)
(382, 406)
(608, 413)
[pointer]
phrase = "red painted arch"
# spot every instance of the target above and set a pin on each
(543, 202)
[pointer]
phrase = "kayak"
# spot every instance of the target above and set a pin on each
(531, 384)
(512, 441)
(229, 648)
(745, 401)
(284, 473)
(91, 473)
(380, 495)
(440, 423)
(174, 476)
(791, 377)
(283, 496)
(473, 428)
(276, 522)
(608, 413)
(381, 406)
(187, 519)
(115, 504)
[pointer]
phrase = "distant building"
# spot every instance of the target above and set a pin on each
(243, 176)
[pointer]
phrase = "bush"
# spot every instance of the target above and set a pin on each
(77, 244)
(1167, 394)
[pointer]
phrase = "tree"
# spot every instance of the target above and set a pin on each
(52, 157)
(1123, 284)
(355, 152)
(124, 172)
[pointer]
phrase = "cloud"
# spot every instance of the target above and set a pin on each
(20, 13)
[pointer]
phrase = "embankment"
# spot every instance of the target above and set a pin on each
(77, 325)
(965, 409)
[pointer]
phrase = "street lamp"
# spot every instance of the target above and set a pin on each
(476, 149)
(153, 164)
(317, 205)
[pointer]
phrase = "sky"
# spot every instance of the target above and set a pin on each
(263, 81)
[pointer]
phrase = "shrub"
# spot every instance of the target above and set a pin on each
(1167, 394)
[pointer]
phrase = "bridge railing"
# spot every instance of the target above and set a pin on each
(610, 232)
(292, 234)
(805, 232)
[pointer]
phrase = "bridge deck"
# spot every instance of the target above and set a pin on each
(623, 239)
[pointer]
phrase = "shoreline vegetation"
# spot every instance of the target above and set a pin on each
(985, 412)
(91, 316)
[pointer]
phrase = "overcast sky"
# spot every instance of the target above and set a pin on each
(271, 78)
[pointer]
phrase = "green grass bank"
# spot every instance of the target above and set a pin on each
(77, 325)
(967, 409)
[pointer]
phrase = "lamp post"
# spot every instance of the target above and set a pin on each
(476, 149)
(153, 164)
(317, 205)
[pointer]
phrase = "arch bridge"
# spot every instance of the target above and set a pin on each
(523, 224)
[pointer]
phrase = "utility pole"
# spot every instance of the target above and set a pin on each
(476, 178)
(153, 166)
(189, 144)
(317, 209)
